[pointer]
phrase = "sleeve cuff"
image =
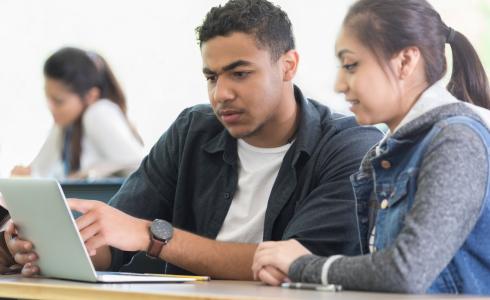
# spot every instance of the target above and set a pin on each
(307, 268)
(326, 266)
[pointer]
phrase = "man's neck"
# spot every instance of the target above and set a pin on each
(281, 129)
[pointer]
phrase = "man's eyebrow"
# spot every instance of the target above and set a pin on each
(208, 71)
(228, 67)
(342, 52)
(236, 64)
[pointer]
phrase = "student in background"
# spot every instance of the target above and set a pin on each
(428, 180)
(91, 136)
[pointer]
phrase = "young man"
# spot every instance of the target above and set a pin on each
(262, 162)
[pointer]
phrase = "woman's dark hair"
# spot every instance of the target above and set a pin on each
(81, 71)
(267, 22)
(388, 26)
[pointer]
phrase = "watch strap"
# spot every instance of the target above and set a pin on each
(155, 247)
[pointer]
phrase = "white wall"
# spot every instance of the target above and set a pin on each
(152, 48)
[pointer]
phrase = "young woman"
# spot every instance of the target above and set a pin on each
(91, 136)
(426, 185)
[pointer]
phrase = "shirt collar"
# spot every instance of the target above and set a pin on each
(307, 133)
(433, 97)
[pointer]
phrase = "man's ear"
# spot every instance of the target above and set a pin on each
(290, 62)
(92, 95)
(405, 62)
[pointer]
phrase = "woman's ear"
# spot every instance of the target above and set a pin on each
(405, 62)
(92, 95)
(290, 62)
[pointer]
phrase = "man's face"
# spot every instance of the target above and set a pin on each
(244, 85)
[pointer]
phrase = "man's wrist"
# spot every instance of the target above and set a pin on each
(160, 233)
(145, 236)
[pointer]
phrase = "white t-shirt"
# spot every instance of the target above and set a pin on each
(107, 144)
(258, 169)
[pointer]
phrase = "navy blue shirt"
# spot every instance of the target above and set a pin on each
(190, 176)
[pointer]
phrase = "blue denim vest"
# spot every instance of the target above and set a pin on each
(396, 185)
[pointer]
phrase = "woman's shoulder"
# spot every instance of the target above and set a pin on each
(102, 109)
(103, 115)
(103, 105)
(482, 113)
(463, 120)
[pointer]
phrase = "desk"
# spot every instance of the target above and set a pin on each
(30, 288)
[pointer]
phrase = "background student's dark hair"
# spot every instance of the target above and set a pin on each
(80, 71)
(267, 22)
(388, 26)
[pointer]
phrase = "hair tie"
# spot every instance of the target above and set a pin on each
(450, 36)
(94, 57)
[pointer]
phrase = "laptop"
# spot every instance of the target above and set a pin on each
(39, 209)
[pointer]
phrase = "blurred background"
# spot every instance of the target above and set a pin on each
(151, 46)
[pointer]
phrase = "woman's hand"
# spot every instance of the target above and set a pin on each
(21, 171)
(273, 259)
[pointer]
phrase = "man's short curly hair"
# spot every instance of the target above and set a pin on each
(267, 22)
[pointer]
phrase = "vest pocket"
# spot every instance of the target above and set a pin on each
(394, 202)
(400, 190)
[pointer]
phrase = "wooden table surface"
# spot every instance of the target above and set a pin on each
(36, 288)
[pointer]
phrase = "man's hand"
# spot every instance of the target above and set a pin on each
(21, 251)
(273, 259)
(102, 225)
(271, 276)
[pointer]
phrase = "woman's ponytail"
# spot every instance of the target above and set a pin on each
(469, 81)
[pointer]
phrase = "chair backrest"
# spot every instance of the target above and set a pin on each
(101, 189)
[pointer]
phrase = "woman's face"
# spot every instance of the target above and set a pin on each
(65, 106)
(370, 88)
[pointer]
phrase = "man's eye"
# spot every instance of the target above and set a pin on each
(211, 78)
(350, 67)
(240, 75)
(58, 102)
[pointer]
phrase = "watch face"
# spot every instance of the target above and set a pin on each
(162, 230)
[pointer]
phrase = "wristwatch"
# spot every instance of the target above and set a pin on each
(161, 232)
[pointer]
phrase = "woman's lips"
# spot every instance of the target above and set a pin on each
(353, 104)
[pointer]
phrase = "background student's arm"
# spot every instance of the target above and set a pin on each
(47, 162)
(449, 197)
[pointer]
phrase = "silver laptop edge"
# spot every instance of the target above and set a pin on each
(41, 214)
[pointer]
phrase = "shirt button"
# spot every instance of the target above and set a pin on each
(385, 164)
(384, 204)
(227, 195)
